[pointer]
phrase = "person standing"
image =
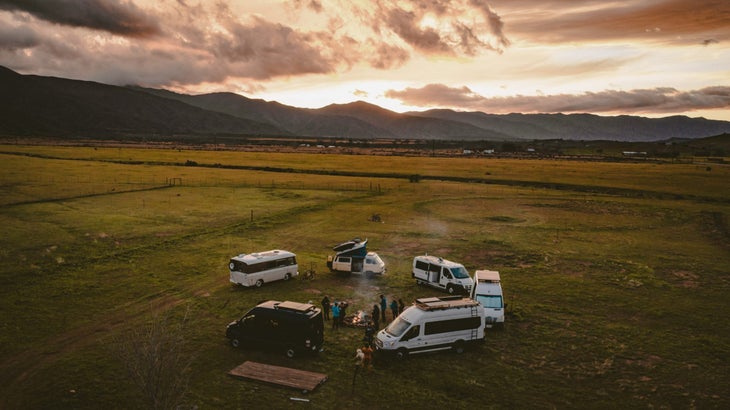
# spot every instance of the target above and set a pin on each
(376, 316)
(343, 312)
(326, 307)
(335, 316)
(369, 334)
(367, 360)
(383, 307)
(394, 308)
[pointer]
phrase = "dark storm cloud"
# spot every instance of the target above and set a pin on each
(496, 26)
(264, 50)
(115, 16)
(19, 38)
(447, 28)
(655, 100)
(406, 25)
(206, 42)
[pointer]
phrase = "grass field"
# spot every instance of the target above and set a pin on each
(616, 274)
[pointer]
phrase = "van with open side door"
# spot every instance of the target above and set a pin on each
(353, 257)
(433, 324)
(441, 274)
(487, 290)
(291, 327)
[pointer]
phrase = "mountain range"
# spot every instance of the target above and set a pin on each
(33, 105)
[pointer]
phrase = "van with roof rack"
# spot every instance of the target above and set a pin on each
(291, 327)
(433, 324)
(255, 269)
(487, 290)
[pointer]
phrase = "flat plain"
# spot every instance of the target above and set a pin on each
(615, 274)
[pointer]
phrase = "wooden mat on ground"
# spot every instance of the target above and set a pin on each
(299, 379)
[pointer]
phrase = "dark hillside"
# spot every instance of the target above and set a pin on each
(55, 107)
(48, 106)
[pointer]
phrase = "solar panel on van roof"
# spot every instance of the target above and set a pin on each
(445, 302)
(295, 306)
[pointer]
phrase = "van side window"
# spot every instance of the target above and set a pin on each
(446, 273)
(248, 319)
(434, 268)
(283, 262)
(454, 325)
(411, 333)
(422, 265)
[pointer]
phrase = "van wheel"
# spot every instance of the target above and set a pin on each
(459, 347)
(450, 289)
(287, 276)
(259, 283)
(235, 342)
(290, 352)
(401, 353)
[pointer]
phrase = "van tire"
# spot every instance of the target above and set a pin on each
(401, 353)
(450, 289)
(235, 342)
(259, 283)
(287, 276)
(290, 352)
(459, 347)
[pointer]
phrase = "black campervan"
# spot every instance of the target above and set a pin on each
(291, 327)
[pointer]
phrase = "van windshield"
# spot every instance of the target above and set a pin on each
(490, 301)
(460, 272)
(397, 327)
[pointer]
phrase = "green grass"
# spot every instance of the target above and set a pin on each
(614, 300)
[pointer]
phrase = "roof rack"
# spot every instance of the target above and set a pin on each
(445, 302)
(294, 306)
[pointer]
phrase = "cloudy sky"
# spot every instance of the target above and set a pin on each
(640, 57)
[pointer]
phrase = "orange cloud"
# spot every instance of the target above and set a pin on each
(656, 100)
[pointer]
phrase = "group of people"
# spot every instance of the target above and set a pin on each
(378, 313)
(338, 311)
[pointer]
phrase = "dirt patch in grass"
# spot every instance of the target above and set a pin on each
(506, 219)
(687, 279)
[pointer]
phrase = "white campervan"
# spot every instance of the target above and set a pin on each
(352, 257)
(442, 274)
(255, 269)
(487, 290)
(433, 324)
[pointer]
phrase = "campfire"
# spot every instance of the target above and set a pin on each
(358, 319)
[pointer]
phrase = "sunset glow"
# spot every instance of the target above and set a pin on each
(652, 58)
